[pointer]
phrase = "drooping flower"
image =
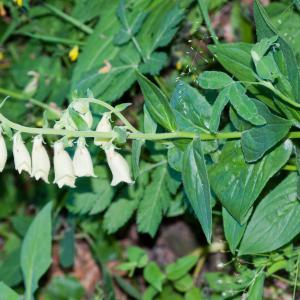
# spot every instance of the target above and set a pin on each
(118, 166)
(63, 166)
(21, 154)
(3, 152)
(103, 126)
(40, 160)
(82, 161)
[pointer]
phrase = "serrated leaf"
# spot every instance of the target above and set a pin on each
(275, 220)
(154, 63)
(154, 202)
(118, 214)
(157, 103)
(36, 250)
(233, 230)
(258, 140)
(154, 276)
(238, 184)
(196, 185)
(244, 105)
(214, 80)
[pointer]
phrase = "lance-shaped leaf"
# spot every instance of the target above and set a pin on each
(238, 184)
(196, 185)
(157, 103)
(258, 140)
(214, 80)
(275, 221)
(233, 230)
(36, 250)
(244, 105)
(6, 293)
(256, 290)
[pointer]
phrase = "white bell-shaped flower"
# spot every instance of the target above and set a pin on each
(103, 126)
(63, 166)
(82, 161)
(118, 166)
(40, 160)
(22, 157)
(3, 152)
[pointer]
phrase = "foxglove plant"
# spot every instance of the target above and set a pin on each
(3, 152)
(22, 157)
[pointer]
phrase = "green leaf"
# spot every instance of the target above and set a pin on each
(244, 105)
(196, 185)
(217, 108)
(78, 120)
(184, 284)
(136, 153)
(149, 293)
(258, 140)
(238, 184)
(129, 289)
(265, 29)
(160, 33)
(256, 291)
(7, 293)
(118, 214)
(193, 294)
(154, 63)
(36, 250)
(154, 203)
(262, 47)
(191, 110)
(214, 80)
(157, 103)
(67, 248)
(154, 276)
(149, 124)
(233, 230)
(275, 221)
(181, 267)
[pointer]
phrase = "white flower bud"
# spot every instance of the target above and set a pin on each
(82, 161)
(3, 152)
(21, 154)
(118, 166)
(40, 160)
(63, 166)
(103, 126)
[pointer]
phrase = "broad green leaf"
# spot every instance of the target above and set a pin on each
(155, 201)
(181, 267)
(196, 185)
(214, 80)
(261, 48)
(275, 221)
(149, 124)
(244, 105)
(217, 109)
(233, 230)
(157, 103)
(256, 291)
(266, 68)
(237, 60)
(36, 250)
(150, 293)
(6, 293)
(67, 247)
(154, 276)
(191, 110)
(136, 153)
(265, 29)
(258, 140)
(238, 184)
(154, 63)
(184, 284)
(118, 214)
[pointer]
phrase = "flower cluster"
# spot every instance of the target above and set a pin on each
(66, 169)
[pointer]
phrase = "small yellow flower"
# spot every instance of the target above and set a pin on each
(74, 53)
(179, 65)
(19, 2)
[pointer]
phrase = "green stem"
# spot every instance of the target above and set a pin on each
(204, 11)
(50, 39)
(70, 19)
(20, 96)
